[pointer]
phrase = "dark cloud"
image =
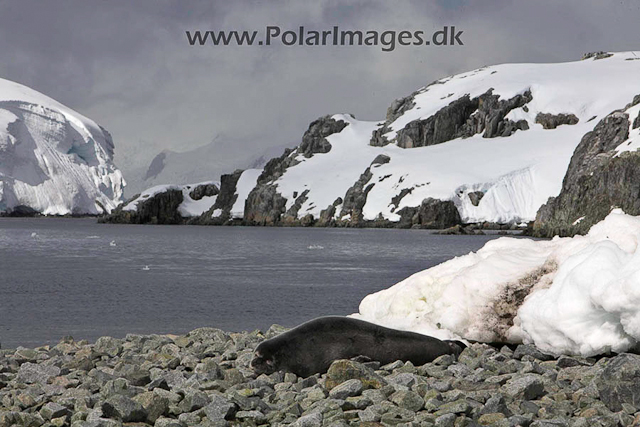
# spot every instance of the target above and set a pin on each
(127, 64)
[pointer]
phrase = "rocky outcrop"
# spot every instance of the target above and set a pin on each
(314, 139)
(220, 212)
(432, 213)
(204, 190)
(596, 181)
(161, 208)
(327, 215)
(475, 197)
(552, 121)
(356, 197)
(463, 117)
(291, 215)
(264, 206)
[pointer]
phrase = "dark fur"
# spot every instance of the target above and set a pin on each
(311, 347)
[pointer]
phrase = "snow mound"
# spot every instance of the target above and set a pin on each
(53, 159)
(578, 295)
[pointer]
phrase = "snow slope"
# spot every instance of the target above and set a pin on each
(583, 293)
(53, 159)
(517, 174)
(188, 208)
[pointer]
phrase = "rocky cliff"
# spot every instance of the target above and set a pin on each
(604, 173)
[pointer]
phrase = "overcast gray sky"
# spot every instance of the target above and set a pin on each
(128, 65)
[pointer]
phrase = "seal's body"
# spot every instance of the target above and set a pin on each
(311, 347)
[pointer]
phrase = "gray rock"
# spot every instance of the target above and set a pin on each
(220, 408)
(168, 422)
(30, 373)
(310, 420)
(346, 389)
(53, 410)
(619, 382)
(124, 409)
(447, 420)
(204, 190)
(407, 399)
(552, 121)
(530, 350)
(527, 387)
(432, 213)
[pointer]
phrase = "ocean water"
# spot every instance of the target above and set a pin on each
(62, 276)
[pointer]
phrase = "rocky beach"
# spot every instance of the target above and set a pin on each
(203, 378)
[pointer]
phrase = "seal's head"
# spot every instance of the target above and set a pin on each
(263, 361)
(456, 347)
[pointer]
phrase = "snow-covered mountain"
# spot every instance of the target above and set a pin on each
(53, 160)
(222, 155)
(495, 141)
(489, 145)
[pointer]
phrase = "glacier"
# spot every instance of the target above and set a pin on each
(52, 159)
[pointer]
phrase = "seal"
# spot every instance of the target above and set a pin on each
(311, 347)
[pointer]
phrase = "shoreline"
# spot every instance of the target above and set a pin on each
(203, 378)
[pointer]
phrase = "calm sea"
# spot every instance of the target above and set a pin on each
(62, 276)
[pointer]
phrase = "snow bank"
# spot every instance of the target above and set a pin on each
(577, 295)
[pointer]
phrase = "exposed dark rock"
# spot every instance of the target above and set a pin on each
(444, 125)
(619, 382)
(314, 139)
(491, 114)
(381, 159)
(224, 202)
(432, 213)
(475, 197)
(161, 208)
(327, 215)
(552, 121)
(395, 200)
(463, 117)
(291, 216)
(264, 206)
(595, 181)
(596, 55)
(20, 211)
(204, 190)
(276, 167)
(356, 197)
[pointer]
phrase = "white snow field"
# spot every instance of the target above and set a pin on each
(517, 173)
(188, 208)
(53, 159)
(583, 293)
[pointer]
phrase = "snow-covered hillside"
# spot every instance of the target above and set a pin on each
(496, 141)
(194, 203)
(573, 295)
(52, 159)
